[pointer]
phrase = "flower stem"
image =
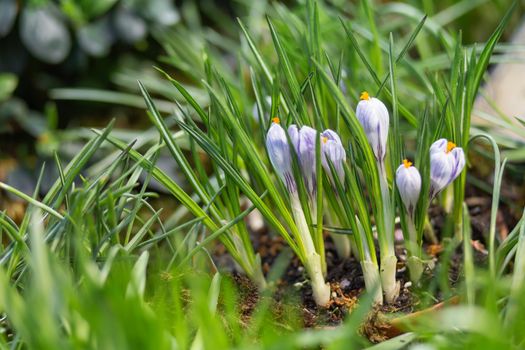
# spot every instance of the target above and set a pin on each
(302, 225)
(342, 245)
(313, 263)
(388, 256)
(415, 264)
(321, 289)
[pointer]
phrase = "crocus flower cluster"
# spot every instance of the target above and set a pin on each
(446, 163)
(303, 141)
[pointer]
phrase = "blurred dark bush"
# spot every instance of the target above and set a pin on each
(45, 44)
(53, 30)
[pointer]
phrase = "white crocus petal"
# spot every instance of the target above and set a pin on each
(441, 168)
(279, 152)
(333, 150)
(446, 163)
(439, 146)
(459, 162)
(293, 132)
(303, 140)
(307, 141)
(373, 116)
(332, 135)
(408, 181)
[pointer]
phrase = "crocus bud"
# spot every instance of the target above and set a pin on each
(332, 149)
(408, 183)
(279, 152)
(373, 116)
(446, 163)
(303, 140)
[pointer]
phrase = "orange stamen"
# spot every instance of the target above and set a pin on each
(324, 139)
(276, 120)
(407, 163)
(364, 96)
(450, 146)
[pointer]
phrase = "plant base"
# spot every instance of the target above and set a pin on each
(416, 266)
(372, 281)
(388, 278)
(320, 289)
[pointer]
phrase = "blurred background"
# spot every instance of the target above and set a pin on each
(69, 64)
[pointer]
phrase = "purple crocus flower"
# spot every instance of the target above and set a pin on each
(373, 116)
(303, 140)
(408, 183)
(333, 150)
(446, 163)
(279, 152)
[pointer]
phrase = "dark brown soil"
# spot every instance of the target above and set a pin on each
(345, 278)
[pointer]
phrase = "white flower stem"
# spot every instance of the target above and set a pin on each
(412, 244)
(370, 269)
(342, 242)
(388, 256)
(342, 245)
(302, 225)
(313, 265)
(313, 213)
(353, 247)
(415, 264)
(320, 289)
(387, 207)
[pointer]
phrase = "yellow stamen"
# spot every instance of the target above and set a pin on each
(407, 163)
(324, 139)
(276, 120)
(364, 96)
(450, 146)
